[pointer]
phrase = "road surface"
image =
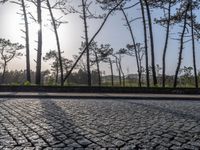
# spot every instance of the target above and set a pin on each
(59, 124)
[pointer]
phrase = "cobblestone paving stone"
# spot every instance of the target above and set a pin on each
(35, 124)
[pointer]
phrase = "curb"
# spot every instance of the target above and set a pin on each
(116, 97)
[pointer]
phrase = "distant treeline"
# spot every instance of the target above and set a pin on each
(79, 78)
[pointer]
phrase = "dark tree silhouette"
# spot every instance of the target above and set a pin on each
(118, 56)
(96, 59)
(84, 7)
(24, 13)
(93, 37)
(8, 51)
(192, 6)
(118, 69)
(53, 55)
(57, 41)
(111, 70)
(166, 43)
(106, 53)
(145, 41)
(140, 53)
(166, 20)
(151, 42)
(39, 48)
(134, 44)
(67, 64)
(28, 70)
(185, 13)
(86, 14)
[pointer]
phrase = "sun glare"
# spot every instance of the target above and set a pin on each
(35, 27)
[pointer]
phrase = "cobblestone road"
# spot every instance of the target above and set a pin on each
(35, 124)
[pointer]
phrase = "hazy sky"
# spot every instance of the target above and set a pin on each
(70, 37)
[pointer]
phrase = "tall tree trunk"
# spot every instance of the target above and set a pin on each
(58, 42)
(181, 49)
(193, 48)
(57, 71)
(39, 49)
(68, 83)
(28, 70)
(98, 68)
(134, 44)
(152, 43)
(123, 76)
(146, 45)
(166, 44)
(140, 64)
(119, 70)
(86, 42)
(111, 70)
(3, 73)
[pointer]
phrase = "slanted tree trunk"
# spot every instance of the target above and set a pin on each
(152, 43)
(86, 42)
(193, 48)
(145, 41)
(39, 49)
(28, 70)
(57, 41)
(111, 70)
(166, 45)
(134, 44)
(181, 49)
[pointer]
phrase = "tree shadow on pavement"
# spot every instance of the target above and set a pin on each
(62, 131)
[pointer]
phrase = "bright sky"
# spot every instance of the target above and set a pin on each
(70, 37)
